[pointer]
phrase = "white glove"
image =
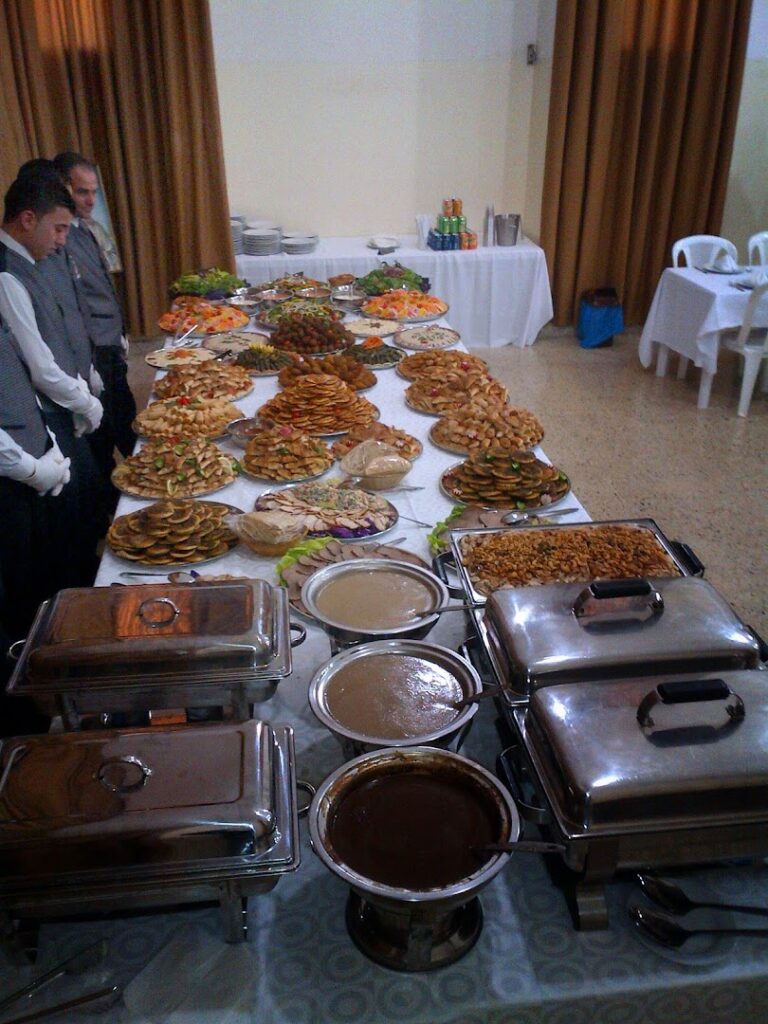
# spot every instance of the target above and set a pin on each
(88, 420)
(124, 343)
(94, 379)
(51, 472)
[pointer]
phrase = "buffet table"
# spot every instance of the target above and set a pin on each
(300, 967)
(498, 295)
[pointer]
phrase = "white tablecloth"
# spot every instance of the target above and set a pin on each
(300, 965)
(689, 310)
(497, 296)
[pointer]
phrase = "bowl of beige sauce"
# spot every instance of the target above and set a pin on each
(395, 693)
(373, 598)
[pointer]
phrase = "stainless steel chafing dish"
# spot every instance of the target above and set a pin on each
(101, 650)
(630, 774)
(107, 820)
(568, 632)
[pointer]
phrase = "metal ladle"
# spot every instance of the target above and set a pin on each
(666, 932)
(671, 897)
(177, 576)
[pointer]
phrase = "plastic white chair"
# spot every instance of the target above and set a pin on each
(701, 250)
(752, 344)
(697, 251)
(758, 245)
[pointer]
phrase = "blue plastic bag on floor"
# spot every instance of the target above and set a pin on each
(600, 317)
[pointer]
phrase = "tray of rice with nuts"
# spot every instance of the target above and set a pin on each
(283, 453)
(235, 342)
(187, 417)
(567, 553)
(174, 468)
(405, 445)
(501, 479)
(345, 367)
(208, 380)
(298, 309)
(483, 424)
(432, 363)
(173, 532)
(330, 508)
(458, 389)
(319, 404)
(377, 354)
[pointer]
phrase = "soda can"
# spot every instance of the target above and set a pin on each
(458, 207)
(472, 238)
(462, 223)
(443, 223)
(455, 240)
(454, 227)
(447, 207)
(464, 240)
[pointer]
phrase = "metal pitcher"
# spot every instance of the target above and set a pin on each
(507, 227)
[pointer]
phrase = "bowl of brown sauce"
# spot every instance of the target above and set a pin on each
(372, 598)
(413, 825)
(395, 693)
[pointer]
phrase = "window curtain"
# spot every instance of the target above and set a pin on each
(643, 108)
(131, 84)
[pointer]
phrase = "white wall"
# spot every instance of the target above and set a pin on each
(352, 116)
(746, 204)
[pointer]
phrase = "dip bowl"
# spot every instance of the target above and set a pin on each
(395, 693)
(373, 598)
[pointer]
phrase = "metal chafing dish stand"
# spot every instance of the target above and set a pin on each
(145, 818)
(105, 650)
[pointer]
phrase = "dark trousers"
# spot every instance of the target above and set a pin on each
(116, 427)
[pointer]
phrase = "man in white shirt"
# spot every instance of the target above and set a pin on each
(36, 219)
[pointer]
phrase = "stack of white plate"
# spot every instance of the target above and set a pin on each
(295, 243)
(263, 225)
(261, 241)
(237, 235)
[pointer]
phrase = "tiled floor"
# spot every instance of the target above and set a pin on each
(635, 445)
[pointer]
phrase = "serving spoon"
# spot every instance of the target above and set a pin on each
(666, 932)
(512, 518)
(671, 897)
(177, 576)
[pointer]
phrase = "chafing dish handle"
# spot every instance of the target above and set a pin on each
(296, 627)
(690, 560)
(513, 774)
(628, 599)
(439, 564)
(690, 691)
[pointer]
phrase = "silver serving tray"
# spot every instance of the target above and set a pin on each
(648, 524)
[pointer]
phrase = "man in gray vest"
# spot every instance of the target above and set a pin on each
(106, 320)
(36, 218)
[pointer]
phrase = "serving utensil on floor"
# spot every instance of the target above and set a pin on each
(667, 932)
(79, 963)
(668, 896)
(513, 518)
(107, 997)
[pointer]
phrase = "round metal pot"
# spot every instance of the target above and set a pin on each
(380, 765)
(345, 634)
(354, 742)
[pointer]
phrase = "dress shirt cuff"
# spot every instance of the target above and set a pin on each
(23, 469)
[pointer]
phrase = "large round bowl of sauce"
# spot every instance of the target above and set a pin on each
(395, 693)
(412, 825)
(372, 598)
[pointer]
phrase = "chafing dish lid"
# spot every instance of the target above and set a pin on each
(569, 631)
(185, 797)
(619, 756)
(156, 629)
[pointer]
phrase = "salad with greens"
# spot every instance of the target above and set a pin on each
(392, 275)
(212, 283)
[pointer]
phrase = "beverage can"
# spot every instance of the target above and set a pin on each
(458, 207)
(448, 207)
(462, 223)
(443, 223)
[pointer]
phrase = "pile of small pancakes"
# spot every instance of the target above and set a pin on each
(319, 403)
(501, 479)
(172, 532)
(187, 417)
(421, 363)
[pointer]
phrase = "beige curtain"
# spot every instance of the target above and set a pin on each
(130, 83)
(643, 108)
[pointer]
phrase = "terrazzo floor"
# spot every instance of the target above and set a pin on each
(636, 445)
